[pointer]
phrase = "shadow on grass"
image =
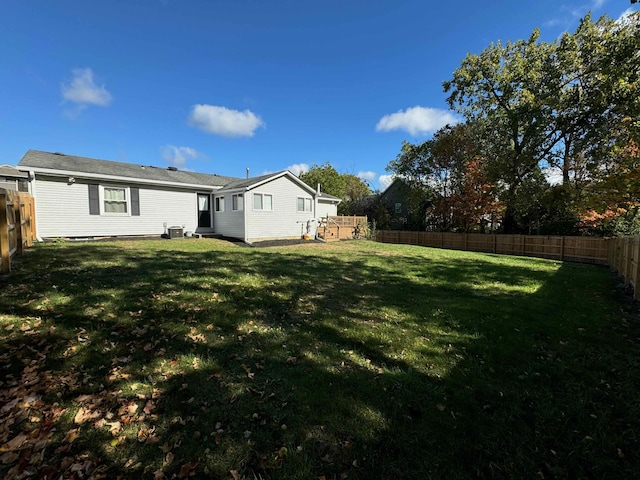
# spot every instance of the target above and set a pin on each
(372, 362)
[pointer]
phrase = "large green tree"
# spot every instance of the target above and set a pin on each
(345, 186)
(571, 104)
(508, 91)
(327, 177)
(448, 172)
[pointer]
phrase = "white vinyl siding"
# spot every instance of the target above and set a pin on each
(229, 223)
(62, 210)
(326, 208)
(283, 220)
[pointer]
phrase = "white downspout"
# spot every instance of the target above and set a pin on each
(244, 211)
(315, 210)
(32, 191)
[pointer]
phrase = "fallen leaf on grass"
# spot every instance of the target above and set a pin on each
(8, 457)
(72, 435)
(114, 427)
(15, 443)
(149, 407)
(168, 459)
(187, 469)
(85, 414)
(129, 408)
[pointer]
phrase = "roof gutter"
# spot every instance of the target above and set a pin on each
(96, 176)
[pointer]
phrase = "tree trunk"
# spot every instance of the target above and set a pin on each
(509, 224)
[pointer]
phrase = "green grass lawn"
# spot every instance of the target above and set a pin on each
(357, 360)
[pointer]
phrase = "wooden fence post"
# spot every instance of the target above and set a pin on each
(17, 218)
(629, 256)
(562, 248)
(32, 217)
(5, 254)
(636, 268)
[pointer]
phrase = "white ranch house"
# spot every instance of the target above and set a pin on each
(80, 197)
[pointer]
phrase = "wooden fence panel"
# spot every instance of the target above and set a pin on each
(17, 224)
(478, 242)
(624, 258)
(621, 254)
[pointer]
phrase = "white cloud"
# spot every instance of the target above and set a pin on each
(366, 176)
(298, 168)
(84, 91)
(568, 16)
(385, 181)
(417, 120)
(224, 121)
(178, 156)
(625, 17)
(553, 175)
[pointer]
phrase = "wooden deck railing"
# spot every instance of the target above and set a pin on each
(339, 228)
(17, 225)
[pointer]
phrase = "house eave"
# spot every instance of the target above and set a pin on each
(115, 178)
(284, 173)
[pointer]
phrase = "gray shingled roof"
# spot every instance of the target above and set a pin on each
(244, 183)
(71, 163)
(328, 197)
(12, 172)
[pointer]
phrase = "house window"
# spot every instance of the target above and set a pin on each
(237, 201)
(262, 201)
(398, 207)
(219, 204)
(114, 200)
(304, 204)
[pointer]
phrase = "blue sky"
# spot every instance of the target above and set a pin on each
(221, 86)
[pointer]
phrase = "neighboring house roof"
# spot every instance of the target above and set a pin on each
(8, 171)
(56, 163)
(396, 184)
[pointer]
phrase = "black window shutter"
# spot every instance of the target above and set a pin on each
(135, 201)
(94, 200)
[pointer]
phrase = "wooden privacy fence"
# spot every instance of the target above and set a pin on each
(570, 249)
(342, 227)
(621, 254)
(17, 225)
(624, 255)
